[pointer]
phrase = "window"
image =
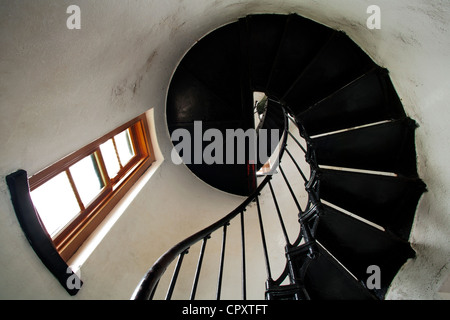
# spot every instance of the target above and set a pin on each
(75, 194)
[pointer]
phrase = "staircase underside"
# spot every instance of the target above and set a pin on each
(351, 116)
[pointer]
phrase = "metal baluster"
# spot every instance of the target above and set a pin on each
(153, 291)
(263, 238)
(298, 143)
(244, 275)
(296, 165)
(222, 261)
(175, 274)
(279, 214)
(199, 267)
(304, 227)
(290, 189)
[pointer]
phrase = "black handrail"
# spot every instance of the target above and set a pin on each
(148, 284)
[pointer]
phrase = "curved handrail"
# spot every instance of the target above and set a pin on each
(148, 284)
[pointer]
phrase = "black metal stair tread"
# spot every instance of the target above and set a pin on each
(368, 99)
(386, 147)
(265, 32)
(229, 178)
(220, 125)
(209, 85)
(384, 200)
(325, 278)
(358, 245)
(216, 60)
(287, 292)
(189, 99)
(337, 64)
(301, 42)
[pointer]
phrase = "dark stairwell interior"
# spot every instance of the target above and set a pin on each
(360, 148)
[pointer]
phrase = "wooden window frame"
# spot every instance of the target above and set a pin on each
(71, 237)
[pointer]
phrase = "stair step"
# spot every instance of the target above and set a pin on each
(386, 147)
(301, 42)
(216, 61)
(287, 292)
(190, 99)
(210, 85)
(325, 278)
(369, 99)
(358, 245)
(265, 32)
(389, 202)
(339, 63)
(233, 178)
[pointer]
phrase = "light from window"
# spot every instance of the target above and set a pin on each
(56, 203)
(87, 178)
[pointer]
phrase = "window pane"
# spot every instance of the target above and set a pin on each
(55, 203)
(110, 158)
(87, 178)
(124, 146)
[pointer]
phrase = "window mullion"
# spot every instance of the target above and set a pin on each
(75, 191)
(102, 167)
(117, 153)
(135, 139)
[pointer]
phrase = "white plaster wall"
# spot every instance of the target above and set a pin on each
(61, 89)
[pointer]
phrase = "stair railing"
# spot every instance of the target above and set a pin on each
(147, 287)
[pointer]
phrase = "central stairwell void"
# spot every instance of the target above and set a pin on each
(362, 186)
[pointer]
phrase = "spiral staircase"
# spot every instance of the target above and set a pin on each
(357, 141)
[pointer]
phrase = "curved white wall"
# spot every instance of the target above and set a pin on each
(63, 88)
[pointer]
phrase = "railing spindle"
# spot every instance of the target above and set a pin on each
(244, 275)
(199, 267)
(290, 190)
(297, 166)
(263, 238)
(222, 261)
(298, 143)
(283, 227)
(304, 227)
(175, 274)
